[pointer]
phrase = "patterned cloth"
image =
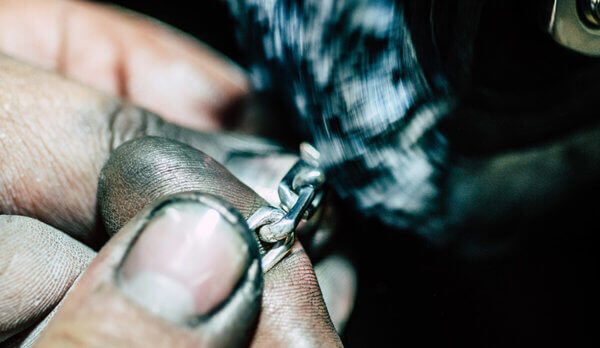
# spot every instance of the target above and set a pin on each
(353, 73)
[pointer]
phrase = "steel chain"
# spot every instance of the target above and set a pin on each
(300, 195)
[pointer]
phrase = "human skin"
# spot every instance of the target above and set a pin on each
(56, 134)
(48, 155)
(134, 58)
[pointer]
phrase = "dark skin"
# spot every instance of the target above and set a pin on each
(56, 135)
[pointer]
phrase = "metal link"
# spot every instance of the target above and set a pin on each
(304, 173)
(277, 253)
(300, 196)
(290, 221)
(263, 217)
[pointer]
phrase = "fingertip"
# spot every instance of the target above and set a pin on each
(38, 264)
(148, 168)
(155, 283)
(294, 313)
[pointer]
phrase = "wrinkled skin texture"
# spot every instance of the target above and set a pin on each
(87, 315)
(55, 136)
(130, 122)
(519, 181)
(60, 264)
(35, 31)
(147, 168)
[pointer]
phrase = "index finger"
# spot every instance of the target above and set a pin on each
(146, 169)
(134, 57)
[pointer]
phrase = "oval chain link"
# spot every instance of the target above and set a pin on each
(300, 195)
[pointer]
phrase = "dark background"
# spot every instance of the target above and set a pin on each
(411, 293)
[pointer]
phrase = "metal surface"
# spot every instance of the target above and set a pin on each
(304, 173)
(264, 216)
(277, 253)
(290, 221)
(575, 24)
(300, 194)
(589, 10)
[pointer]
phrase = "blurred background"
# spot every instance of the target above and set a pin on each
(411, 293)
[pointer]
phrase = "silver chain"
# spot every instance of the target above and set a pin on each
(300, 195)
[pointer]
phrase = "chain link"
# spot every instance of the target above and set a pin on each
(300, 195)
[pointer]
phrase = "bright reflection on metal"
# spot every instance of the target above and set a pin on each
(575, 24)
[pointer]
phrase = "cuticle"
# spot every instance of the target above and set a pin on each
(227, 212)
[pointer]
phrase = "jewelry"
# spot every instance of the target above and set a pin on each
(300, 193)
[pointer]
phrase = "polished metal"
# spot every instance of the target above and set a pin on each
(589, 10)
(265, 216)
(300, 195)
(304, 173)
(277, 253)
(290, 221)
(575, 24)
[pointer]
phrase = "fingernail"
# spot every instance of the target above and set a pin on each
(186, 262)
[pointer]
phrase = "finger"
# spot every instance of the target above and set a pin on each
(38, 264)
(55, 135)
(134, 57)
(146, 168)
(294, 313)
(258, 165)
(28, 337)
(338, 281)
(184, 272)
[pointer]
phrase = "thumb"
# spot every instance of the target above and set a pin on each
(183, 272)
(293, 311)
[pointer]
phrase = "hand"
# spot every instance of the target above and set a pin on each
(134, 58)
(55, 135)
(42, 163)
(105, 304)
